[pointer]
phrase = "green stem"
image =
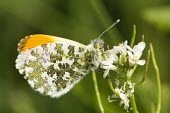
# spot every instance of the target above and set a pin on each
(97, 92)
(158, 109)
(146, 68)
(133, 36)
(133, 104)
(111, 87)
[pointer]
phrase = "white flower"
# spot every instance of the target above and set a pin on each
(107, 65)
(131, 87)
(136, 53)
(123, 95)
(113, 59)
(124, 100)
(124, 92)
(111, 55)
(122, 50)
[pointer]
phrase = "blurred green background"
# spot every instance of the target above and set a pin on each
(82, 21)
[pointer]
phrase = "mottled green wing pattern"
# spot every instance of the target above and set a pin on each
(54, 68)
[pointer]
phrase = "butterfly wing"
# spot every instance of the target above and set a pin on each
(54, 66)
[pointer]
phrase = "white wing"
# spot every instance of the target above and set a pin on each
(52, 67)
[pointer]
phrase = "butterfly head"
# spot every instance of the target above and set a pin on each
(98, 44)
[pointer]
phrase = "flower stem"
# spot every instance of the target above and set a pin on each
(157, 78)
(97, 92)
(133, 36)
(111, 87)
(133, 104)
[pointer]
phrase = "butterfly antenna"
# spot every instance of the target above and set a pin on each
(109, 28)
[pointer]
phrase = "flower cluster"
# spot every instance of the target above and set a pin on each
(122, 55)
(124, 92)
(122, 59)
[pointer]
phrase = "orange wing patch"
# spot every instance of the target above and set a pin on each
(34, 40)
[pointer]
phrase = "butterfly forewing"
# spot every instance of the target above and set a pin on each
(54, 68)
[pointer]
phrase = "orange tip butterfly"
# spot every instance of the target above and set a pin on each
(53, 65)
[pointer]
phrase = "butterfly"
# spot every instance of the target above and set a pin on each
(53, 65)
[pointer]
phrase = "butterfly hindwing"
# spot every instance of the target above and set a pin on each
(55, 67)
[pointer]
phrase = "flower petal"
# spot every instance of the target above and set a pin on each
(112, 58)
(130, 54)
(131, 62)
(141, 62)
(129, 48)
(142, 46)
(136, 48)
(116, 49)
(105, 73)
(125, 43)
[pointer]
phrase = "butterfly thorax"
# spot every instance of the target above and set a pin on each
(95, 48)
